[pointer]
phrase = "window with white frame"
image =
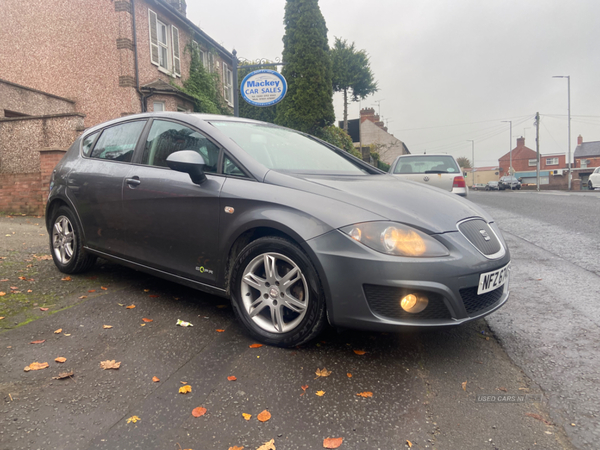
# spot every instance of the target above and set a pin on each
(158, 106)
(204, 56)
(164, 45)
(532, 162)
(552, 161)
(227, 84)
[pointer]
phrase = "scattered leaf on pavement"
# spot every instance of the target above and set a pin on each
(360, 352)
(44, 309)
(104, 288)
(255, 345)
(232, 378)
(2, 294)
(464, 386)
(323, 372)
(268, 445)
(106, 327)
(63, 375)
(130, 307)
(183, 382)
(36, 366)
(38, 342)
(236, 448)
(154, 296)
(147, 320)
(365, 394)
(332, 442)
(133, 419)
(349, 375)
(305, 387)
(60, 359)
(67, 334)
(92, 290)
(264, 416)
(220, 331)
(409, 443)
(320, 393)
(66, 279)
(185, 389)
(155, 379)
(503, 389)
(247, 416)
(58, 331)
(199, 411)
(108, 364)
(1, 318)
(538, 417)
(83, 296)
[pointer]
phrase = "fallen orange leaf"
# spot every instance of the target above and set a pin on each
(332, 442)
(2, 294)
(147, 320)
(103, 288)
(58, 331)
(185, 389)
(323, 373)
(92, 290)
(305, 387)
(365, 394)
(60, 359)
(155, 379)
(1, 318)
(264, 416)
(247, 416)
(83, 296)
(320, 393)
(236, 448)
(65, 279)
(267, 445)
(130, 307)
(36, 366)
(106, 327)
(183, 382)
(464, 386)
(360, 352)
(38, 342)
(349, 375)
(220, 331)
(154, 296)
(44, 309)
(133, 419)
(108, 364)
(409, 443)
(199, 411)
(255, 345)
(232, 378)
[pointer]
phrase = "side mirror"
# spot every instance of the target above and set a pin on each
(190, 162)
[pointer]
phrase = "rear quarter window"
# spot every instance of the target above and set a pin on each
(117, 143)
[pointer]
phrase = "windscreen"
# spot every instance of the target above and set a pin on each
(286, 150)
(426, 164)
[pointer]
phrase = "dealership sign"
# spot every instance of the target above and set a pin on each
(263, 87)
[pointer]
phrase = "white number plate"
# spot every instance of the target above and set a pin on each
(492, 280)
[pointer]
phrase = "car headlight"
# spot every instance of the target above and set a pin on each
(395, 239)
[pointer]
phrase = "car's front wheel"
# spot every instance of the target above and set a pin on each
(66, 243)
(276, 293)
(590, 185)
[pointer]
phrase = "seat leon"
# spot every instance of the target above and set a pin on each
(296, 232)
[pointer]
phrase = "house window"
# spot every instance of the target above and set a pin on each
(158, 106)
(552, 161)
(205, 57)
(532, 162)
(227, 84)
(164, 45)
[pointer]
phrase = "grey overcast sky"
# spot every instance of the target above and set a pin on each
(450, 70)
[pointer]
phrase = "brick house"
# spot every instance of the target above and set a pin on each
(586, 159)
(75, 63)
(553, 167)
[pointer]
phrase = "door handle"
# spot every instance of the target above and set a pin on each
(133, 182)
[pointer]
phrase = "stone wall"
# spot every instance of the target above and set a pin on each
(31, 102)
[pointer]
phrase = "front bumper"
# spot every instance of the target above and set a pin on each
(364, 287)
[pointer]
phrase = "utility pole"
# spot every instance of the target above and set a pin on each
(537, 147)
(509, 146)
(472, 160)
(568, 77)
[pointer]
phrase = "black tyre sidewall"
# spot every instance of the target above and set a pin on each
(80, 261)
(313, 321)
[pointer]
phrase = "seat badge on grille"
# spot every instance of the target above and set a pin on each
(425, 178)
(486, 236)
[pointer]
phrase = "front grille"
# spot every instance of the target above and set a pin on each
(385, 301)
(476, 231)
(475, 303)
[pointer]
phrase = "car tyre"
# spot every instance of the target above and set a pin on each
(590, 185)
(66, 243)
(276, 293)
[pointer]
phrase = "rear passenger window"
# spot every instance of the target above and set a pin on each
(170, 137)
(118, 143)
(86, 146)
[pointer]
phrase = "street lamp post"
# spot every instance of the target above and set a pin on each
(509, 147)
(568, 77)
(472, 159)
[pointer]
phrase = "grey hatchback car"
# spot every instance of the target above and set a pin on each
(295, 231)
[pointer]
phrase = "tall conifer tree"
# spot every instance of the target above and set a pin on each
(308, 104)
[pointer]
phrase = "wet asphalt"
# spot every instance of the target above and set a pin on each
(417, 378)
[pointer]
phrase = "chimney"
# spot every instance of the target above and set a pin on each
(520, 142)
(579, 140)
(368, 114)
(179, 5)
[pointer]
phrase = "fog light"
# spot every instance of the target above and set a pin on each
(414, 303)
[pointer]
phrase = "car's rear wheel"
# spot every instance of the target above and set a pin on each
(66, 243)
(276, 293)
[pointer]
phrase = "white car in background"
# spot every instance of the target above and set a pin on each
(594, 180)
(441, 171)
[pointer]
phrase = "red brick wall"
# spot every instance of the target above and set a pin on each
(21, 193)
(594, 162)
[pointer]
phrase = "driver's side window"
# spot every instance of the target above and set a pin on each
(169, 137)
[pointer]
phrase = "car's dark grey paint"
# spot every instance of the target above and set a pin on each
(207, 234)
